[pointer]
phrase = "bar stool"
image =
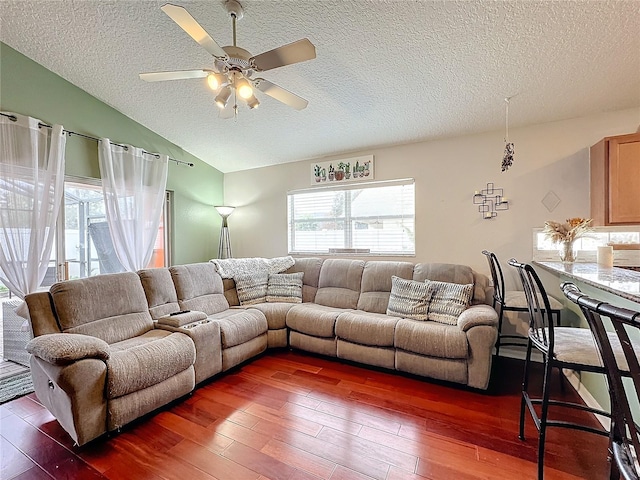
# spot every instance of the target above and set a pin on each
(561, 347)
(511, 301)
(620, 360)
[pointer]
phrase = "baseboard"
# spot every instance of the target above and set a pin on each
(586, 396)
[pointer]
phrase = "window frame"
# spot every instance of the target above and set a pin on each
(348, 219)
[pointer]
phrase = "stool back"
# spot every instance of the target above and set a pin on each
(496, 277)
(540, 319)
(624, 424)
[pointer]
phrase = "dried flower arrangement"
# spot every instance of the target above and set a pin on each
(569, 231)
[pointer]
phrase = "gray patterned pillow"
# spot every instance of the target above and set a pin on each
(285, 288)
(252, 288)
(408, 299)
(448, 301)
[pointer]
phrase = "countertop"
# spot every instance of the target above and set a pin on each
(619, 281)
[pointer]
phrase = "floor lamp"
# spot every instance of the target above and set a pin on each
(224, 247)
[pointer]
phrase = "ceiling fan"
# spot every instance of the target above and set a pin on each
(234, 67)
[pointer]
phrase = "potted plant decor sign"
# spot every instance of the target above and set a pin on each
(355, 169)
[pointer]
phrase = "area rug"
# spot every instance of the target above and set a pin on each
(15, 386)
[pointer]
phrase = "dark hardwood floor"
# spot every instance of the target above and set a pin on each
(293, 416)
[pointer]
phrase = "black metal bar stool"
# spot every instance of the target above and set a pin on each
(561, 347)
(620, 359)
(511, 301)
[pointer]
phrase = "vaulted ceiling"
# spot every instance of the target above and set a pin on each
(387, 72)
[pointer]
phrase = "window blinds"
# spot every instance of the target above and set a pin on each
(376, 218)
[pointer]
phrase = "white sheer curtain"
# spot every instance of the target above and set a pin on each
(134, 186)
(31, 189)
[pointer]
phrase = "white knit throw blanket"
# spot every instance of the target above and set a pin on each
(232, 267)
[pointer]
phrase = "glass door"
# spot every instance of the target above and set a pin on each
(84, 244)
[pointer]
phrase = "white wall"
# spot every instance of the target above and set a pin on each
(552, 156)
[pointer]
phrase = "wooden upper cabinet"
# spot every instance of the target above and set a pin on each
(615, 180)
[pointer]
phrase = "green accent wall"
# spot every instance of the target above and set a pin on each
(30, 89)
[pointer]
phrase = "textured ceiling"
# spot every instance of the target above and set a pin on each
(386, 72)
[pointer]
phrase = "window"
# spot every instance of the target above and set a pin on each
(376, 218)
(545, 250)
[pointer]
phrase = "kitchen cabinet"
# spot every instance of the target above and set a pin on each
(615, 180)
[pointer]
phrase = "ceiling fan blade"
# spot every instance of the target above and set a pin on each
(295, 52)
(280, 94)
(194, 30)
(176, 75)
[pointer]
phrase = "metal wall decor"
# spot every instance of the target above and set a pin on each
(490, 201)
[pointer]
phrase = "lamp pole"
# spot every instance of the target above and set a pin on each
(224, 246)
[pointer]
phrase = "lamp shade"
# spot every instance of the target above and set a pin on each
(214, 80)
(252, 102)
(223, 97)
(224, 211)
(243, 88)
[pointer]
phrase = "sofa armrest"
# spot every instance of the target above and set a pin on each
(477, 315)
(66, 348)
(182, 319)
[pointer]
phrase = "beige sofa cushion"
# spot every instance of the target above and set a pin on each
(66, 348)
(81, 306)
(431, 338)
(160, 291)
(276, 313)
(230, 292)
(376, 284)
(199, 287)
(146, 360)
(310, 267)
(238, 326)
(365, 328)
(453, 273)
(314, 320)
(339, 283)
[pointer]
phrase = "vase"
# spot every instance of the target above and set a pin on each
(567, 251)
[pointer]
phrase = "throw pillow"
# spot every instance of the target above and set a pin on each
(448, 301)
(252, 289)
(408, 299)
(285, 288)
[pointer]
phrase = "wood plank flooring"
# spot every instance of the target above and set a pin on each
(293, 416)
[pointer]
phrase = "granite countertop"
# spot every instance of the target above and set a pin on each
(619, 281)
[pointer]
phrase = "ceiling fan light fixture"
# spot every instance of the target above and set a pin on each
(244, 89)
(223, 97)
(252, 102)
(215, 80)
(234, 66)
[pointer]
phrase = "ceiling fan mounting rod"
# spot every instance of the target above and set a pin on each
(234, 29)
(235, 10)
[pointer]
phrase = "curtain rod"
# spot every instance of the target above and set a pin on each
(13, 118)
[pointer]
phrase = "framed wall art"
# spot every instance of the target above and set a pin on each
(346, 170)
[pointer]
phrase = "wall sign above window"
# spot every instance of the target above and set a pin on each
(346, 170)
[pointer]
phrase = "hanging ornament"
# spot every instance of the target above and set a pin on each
(507, 159)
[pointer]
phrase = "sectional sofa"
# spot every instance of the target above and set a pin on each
(111, 348)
